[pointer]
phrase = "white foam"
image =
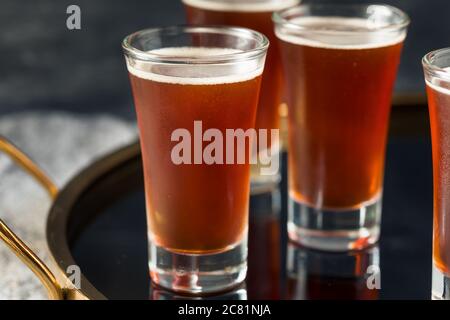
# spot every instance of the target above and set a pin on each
(195, 74)
(360, 38)
(439, 88)
(241, 5)
(193, 52)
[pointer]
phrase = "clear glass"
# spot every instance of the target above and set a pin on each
(437, 76)
(340, 63)
(256, 15)
(194, 79)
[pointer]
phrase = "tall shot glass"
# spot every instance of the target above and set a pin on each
(191, 84)
(340, 63)
(437, 76)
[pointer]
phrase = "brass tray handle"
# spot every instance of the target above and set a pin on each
(20, 249)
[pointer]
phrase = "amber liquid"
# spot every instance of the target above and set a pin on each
(339, 104)
(272, 83)
(439, 105)
(193, 208)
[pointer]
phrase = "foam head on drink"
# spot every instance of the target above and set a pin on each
(193, 208)
(241, 6)
(340, 76)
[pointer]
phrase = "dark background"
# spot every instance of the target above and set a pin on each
(44, 66)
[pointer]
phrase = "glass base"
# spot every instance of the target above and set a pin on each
(334, 230)
(198, 274)
(440, 285)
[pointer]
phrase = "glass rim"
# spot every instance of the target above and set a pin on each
(280, 18)
(262, 45)
(432, 69)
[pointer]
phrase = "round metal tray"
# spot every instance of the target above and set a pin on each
(98, 223)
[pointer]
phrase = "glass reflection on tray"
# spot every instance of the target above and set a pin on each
(316, 275)
(239, 293)
(264, 280)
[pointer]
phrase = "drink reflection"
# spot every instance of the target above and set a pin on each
(157, 293)
(264, 244)
(316, 275)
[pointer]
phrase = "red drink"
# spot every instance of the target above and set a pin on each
(339, 103)
(436, 66)
(439, 106)
(193, 208)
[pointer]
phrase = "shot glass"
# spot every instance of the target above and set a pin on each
(192, 86)
(437, 76)
(340, 63)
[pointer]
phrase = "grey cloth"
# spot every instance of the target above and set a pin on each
(62, 144)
